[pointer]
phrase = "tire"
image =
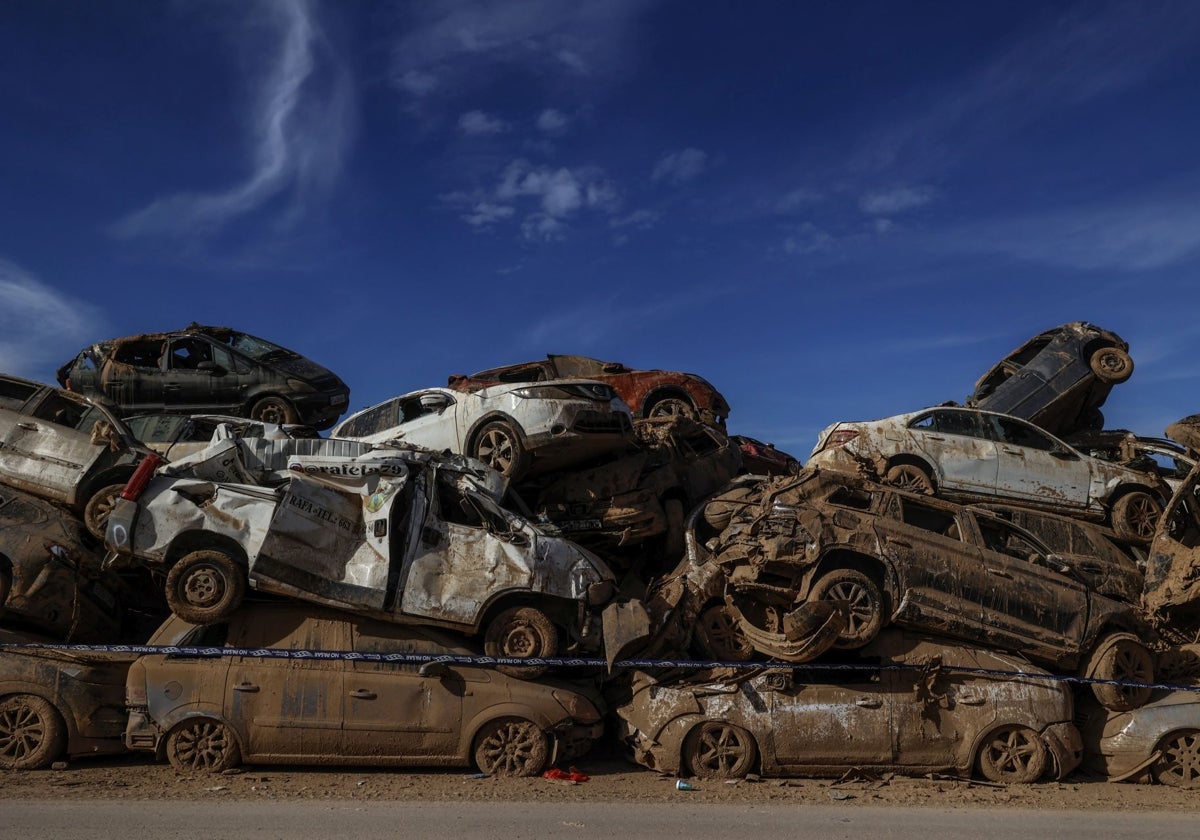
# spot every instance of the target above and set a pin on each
(32, 733)
(1012, 755)
(1127, 660)
(671, 407)
(499, 446)
(720, 637)
(719, 750)
(1178, 764)
(521, 633)
(1135, 516)
(205, 586)
(98, 508)
(1111, 364)
(511, 747)
(910, 477)
(202, 745)
(274, 410)
(865, 614)
(673, 540)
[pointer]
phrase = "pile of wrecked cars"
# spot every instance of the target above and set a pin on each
(993, 589)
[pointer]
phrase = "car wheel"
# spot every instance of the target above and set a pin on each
(671, 407)
(1123, 659)
(511, 747)
(275, 410)
(1178, 764)
(32, 733)
(1013, 755)
(864, 605)
(521, 633)
(673, 541)
(205, 587)
(719, 750)
(98, 508)
(1135, 516)
(204, 745)
(910, 477)
(499, 446)
(1111, 364)
(721, 637)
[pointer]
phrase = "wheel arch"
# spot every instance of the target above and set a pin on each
(269, 391)
(15, 689)
(501, 711)
(112, 475)
(561, 611)
(915, 461)
(698, 720)
(179, 717)
(189, 541)
(984, 732)
(662, 392)
(476, 427)
(841, 557)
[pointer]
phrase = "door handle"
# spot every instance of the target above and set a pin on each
(363, 694)
(171, 386)
(999, 573)
(900, 543)
(1016, 452)
(31, 427)
(971, 699)
(868, 702)
(934, 437)
(248, 687)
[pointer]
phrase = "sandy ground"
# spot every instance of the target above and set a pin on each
(612, 780)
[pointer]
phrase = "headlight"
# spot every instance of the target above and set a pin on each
(577, 706)
(598, 392)
(300, 386)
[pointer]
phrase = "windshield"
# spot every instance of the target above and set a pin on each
(257, 348)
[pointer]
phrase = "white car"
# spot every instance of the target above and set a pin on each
(972, 454)
(511, 427)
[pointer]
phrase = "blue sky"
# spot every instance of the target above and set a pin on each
(831, 211)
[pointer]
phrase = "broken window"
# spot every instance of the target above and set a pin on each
(372, 421)
(188, 353)
(1005, 539)
(851, 498)
(145, 353)
(1016, 433)
(930, 519)
(15, 394)
(63, 411)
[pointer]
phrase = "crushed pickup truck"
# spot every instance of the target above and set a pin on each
(404, 535)
(642, 495)
(766, 547)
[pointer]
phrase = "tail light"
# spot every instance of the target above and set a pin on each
(141, 477)
(135, 686)
(840, 437)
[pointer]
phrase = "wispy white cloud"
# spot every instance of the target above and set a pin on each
(447, 44)
(40, 327)
(796, 199)
(553, 121)
(485, 213)
(678, 167)
(897, 200)
(300, 128)
(478, 123)
(640, 219)
(807, 238)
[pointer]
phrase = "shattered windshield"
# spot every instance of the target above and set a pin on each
(258, 349)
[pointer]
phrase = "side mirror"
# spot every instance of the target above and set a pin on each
(434, 669)
(210, 367)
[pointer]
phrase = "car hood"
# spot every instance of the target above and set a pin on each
(302, 368)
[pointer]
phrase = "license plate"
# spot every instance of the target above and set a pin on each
(580, 525)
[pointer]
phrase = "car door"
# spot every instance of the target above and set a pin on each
(936, 708)
(391, 710)
(1031, 606)
(429, 418)
(959, 447)
(132, 376)
(200, 376)
(941, 581)
(832, 724)
(286, 708)
(49, 448)
(1033, 465)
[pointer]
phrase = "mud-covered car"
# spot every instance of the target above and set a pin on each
(408, 536)
(50, 581)
(646, 493)
(1172, 593)
(64, 447)
(1161, 740)
(210, 714)
(62, 703)
(1058, 379)
(515, 429)
(760, 458)
(767, 547)
(963, 453)
(648, 393)
(923, 716)
(208, 370)
(176, 435)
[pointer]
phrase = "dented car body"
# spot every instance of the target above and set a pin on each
(404, 535)
(204, 369)
(912, 713)
(1172, 593)
(345, 710)
(893, 557)
(648, 393)
(514, 429)
(1058, 379)
(644, 494)
(176, 435)
(1161, 740)
(980, 455)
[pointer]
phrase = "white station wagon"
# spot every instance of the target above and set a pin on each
(971, 454)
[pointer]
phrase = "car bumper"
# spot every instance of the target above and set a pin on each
(1065, 746)
(142, 733)
(576, 739)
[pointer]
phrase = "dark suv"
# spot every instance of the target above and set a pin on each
(1058, 379)
(200, 370)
